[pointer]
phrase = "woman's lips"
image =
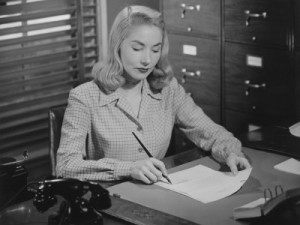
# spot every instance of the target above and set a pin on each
(143, 70)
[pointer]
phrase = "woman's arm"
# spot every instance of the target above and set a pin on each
(72, 149)
(205, 133)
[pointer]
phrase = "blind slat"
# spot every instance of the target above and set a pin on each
(41, 6)
(25, 141)
(4, 103)
(28, 28)
(31, 110)
(25, 130)
(41, 37)
(13, 123)
(8, 77)
(33, 105)
(37, 15)
(20, 95)
(37, 48)
(42, 59)
(60, 76)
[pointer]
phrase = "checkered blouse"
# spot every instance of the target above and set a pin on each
(97, 141)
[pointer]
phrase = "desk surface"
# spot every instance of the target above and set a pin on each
(220, 212)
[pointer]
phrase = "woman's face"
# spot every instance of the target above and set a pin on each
(140, 51)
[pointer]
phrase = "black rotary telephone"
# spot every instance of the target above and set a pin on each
(82, 205)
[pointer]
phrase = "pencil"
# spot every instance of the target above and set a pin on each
(149, 155)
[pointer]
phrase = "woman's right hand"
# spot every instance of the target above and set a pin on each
(148, 170)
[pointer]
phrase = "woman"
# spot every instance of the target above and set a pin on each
(134, 91)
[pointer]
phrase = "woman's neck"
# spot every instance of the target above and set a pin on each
(133, 95)
(132, 88)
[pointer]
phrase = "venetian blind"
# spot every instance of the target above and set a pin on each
(45, 47)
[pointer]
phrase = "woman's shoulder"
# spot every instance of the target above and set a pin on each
(88, 89)
(172, 86)
(174, 91)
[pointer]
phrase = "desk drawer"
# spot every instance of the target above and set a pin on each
(193, 16)
(256, 79)
(257, 21)
(198, 68)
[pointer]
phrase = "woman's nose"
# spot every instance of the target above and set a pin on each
(145, 59)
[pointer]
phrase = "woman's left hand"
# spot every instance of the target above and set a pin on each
(234, 161)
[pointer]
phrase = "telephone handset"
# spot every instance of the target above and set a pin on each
(78, 208)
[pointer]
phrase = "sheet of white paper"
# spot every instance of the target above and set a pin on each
(205, 184)
(290, 166)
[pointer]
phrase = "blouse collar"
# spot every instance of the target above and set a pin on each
(116, 95)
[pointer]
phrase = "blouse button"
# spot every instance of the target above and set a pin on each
(140, 149)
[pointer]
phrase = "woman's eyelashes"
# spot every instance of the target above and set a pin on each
(156, 50)
(136, 49)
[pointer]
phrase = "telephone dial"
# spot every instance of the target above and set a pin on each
(82, 205)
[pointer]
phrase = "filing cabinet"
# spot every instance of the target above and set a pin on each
(257, 64)
(239, 59)
(194, 35)
(195, 72)
(257, 22)
(258, 87)
(193, 16)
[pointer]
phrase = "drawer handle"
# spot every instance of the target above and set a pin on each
(255, 86)
(250, 15)
(185, 7)
(189, 74)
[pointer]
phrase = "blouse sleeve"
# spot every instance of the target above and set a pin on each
(71, 160)
(200, 129)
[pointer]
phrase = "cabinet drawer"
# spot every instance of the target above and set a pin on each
(257, 21)
(256, 79)
(193, 16)
(214, 112)
(240, 122)
(198, 68)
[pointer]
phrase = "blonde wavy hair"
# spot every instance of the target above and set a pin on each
(109, 73)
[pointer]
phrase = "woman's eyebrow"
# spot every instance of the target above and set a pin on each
(141, 43)
(138, 42)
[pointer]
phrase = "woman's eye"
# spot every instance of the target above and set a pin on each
(136, 49)
(155, 50)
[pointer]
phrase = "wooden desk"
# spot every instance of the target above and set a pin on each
(26, 213)
(219, 212)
